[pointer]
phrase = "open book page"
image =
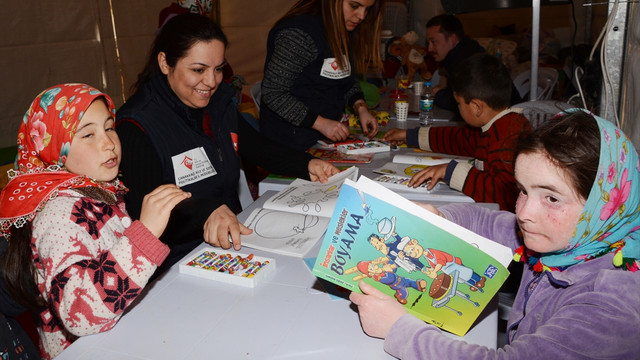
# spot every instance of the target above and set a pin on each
(311, 197)
(428, 159)
(293, 220)
(431, 266)
(283, 232)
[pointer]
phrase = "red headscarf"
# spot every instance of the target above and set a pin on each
(44, 139)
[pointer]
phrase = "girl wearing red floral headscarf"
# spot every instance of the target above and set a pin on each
(75, 258)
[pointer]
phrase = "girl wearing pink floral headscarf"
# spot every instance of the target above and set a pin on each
(75, 258)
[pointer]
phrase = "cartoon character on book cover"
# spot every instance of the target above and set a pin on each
(433, 273)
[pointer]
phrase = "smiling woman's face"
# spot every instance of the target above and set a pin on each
(197, 75)
(548, 206)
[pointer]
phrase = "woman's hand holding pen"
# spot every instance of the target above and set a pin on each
(223, 229)
(331, 129)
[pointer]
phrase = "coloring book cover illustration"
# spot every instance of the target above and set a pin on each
(431, 266)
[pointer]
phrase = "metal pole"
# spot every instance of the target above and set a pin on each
(535, 44)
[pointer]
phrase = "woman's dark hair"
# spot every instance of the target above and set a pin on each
(572, 142)
(18, 269)
(175, 39)
(482, 76)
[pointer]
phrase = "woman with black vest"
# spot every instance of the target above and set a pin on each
(313, 55)
(181, 126)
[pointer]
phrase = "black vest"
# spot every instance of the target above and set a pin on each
(172, 129)
(321, 94)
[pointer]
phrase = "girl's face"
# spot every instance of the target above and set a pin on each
(548, 207)
(95, 148)
(355, 11)
(196, 76)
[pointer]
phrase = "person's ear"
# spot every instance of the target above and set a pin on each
(477, 107)
(162, 63)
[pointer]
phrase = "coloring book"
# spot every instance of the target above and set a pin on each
(294, 219)
(428, 159)
(439, 271)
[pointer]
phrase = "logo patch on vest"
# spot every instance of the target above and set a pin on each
(331, 70)
(192, 166)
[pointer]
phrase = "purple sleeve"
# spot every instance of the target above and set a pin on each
(499, 226)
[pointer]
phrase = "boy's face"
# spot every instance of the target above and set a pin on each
(95, 148)
(468, 111)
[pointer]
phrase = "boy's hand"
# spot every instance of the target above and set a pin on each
(433, 173)
(396, 136)
(157, 206)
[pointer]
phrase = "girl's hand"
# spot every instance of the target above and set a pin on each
(320, 170)
(157, 206)
(222, 229)
(429, 207)
(378, 312)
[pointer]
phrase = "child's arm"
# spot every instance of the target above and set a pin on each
(92, 261)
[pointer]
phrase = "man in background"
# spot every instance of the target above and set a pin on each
(448, 44)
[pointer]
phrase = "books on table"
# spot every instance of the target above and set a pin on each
(439, 271)
(294, 219)
(428, 159)
(336, 157)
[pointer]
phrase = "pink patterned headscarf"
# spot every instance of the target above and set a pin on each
(44, 140)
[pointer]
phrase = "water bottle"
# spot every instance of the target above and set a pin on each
(426, 105)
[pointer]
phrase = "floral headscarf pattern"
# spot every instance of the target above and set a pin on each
(202, 7)
(44, 140)
(611, 217)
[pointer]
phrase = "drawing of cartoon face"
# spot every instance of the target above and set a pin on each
(379, 244)
(413, 249)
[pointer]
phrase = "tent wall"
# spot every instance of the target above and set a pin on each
(49, 42)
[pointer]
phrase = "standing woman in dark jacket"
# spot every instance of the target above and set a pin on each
(181, 126)
(314, 53)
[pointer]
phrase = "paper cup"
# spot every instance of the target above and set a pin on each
(418, 86)
(402, 110)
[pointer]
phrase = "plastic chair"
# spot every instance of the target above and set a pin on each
(539, 111)
(547, 80)
(256, 90)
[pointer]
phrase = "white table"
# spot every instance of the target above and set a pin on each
(286, 316)
(440, 195)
